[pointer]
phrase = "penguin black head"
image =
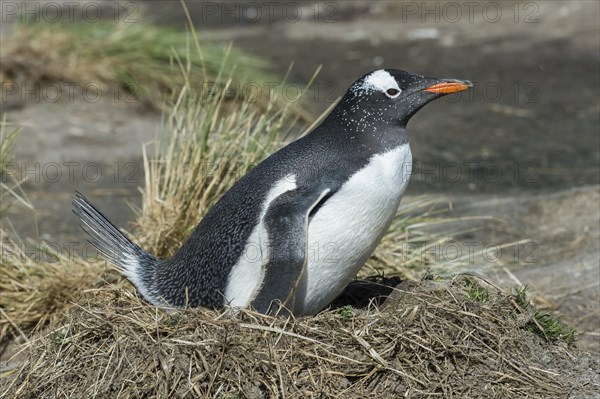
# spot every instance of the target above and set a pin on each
(392, 97)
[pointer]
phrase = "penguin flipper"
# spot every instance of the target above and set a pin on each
(287, 227)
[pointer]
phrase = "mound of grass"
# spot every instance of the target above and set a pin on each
(428, 339)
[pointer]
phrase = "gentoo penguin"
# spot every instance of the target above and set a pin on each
(295, 230)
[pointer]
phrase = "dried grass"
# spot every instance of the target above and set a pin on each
(37, 287)
(430, 340)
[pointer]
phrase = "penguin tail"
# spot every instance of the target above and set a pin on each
(134, 262)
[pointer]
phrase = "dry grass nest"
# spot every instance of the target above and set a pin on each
(429, 338)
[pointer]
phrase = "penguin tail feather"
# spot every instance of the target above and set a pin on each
(134, 262)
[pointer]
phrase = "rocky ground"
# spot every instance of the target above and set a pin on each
(522, 147)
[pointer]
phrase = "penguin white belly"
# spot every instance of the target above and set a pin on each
(344, 232)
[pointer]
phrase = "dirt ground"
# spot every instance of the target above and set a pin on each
(523, 147)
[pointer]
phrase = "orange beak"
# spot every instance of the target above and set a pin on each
(449, 87)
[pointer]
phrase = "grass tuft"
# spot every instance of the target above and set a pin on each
(346, 312)
(129, 60)
(543, 324)
(475, 291)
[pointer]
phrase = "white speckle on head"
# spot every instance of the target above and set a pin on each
(380, 80)
(247, 274)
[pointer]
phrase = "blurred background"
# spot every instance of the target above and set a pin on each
(519, 155)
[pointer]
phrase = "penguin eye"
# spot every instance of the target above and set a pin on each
(393, 92)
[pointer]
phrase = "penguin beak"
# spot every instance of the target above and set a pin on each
(448, 86)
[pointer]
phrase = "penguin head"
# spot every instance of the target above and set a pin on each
(392, 96)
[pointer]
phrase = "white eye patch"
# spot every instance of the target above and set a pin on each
(381, 80)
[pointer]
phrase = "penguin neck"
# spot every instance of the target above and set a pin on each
(365, 128)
